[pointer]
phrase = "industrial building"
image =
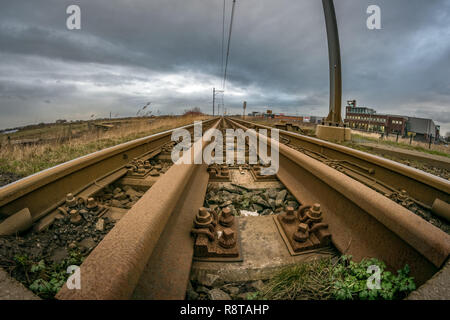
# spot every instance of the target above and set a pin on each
(367, 119)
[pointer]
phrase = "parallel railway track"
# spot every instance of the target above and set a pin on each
(383, 175)
(148, 254)
(415, 189)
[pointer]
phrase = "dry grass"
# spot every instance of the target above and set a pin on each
(391, 140)
(70, 144)
(306, 281)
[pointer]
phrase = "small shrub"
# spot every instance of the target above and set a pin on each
(342, 279)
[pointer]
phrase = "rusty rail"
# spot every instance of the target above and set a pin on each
(43, 192)
(419, 185)
(123, 255)
(148, 254)
(363, 222)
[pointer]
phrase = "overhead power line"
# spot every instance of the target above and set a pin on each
(228, 45)
(223, 34)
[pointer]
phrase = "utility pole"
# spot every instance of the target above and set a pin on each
(245, 107)
(214, 100)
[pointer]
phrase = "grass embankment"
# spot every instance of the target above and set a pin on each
(403, 143)
(24, 160)
(341, 279)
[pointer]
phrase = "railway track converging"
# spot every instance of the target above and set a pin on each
(146, 226)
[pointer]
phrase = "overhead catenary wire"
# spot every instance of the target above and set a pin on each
(223, 35)
(228, 46)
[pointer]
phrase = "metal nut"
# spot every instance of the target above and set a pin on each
(203, 218)
(289, 216)
(302, 233)
(226, 218)
(70, 200)
(227, 240)
(91, 203)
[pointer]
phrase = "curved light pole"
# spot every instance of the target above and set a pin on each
(334, 56)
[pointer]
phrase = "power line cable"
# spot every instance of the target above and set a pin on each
(228, 45)
(223, 34)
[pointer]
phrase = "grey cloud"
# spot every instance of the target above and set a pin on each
(128, 52)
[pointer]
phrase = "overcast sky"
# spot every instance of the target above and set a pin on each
(130, 52)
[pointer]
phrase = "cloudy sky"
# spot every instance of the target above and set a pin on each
(130, 52)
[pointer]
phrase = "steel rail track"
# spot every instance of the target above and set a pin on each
(385, 175)
(44, 191)
(148, 254)
(363, 222)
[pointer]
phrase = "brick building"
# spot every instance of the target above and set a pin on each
(368, 119)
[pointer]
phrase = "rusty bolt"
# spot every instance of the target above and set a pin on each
(289, 217)
(315, 210)
(75, 218)
(141, 168)
(81, 201)
(203, 218)
(227, 239)
(303, 227)
(226, 218)
(70, 200)
(91, 204)
(403, 195)
(224, 169)
(314, 213)
(302, 233)
(147, 164)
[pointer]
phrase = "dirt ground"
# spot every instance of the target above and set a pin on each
(8, 177)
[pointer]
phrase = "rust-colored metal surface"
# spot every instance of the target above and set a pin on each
(148, 254)
(363, 222)
(114, 267)
(42, 192)
(216, 236)
(166, 274)
(419, 185)
(219, 173)
(303, 229)
(255, 171)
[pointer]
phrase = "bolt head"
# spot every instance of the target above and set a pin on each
(226, 211)
(303, 227)
(203, 212)
(228, 234)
